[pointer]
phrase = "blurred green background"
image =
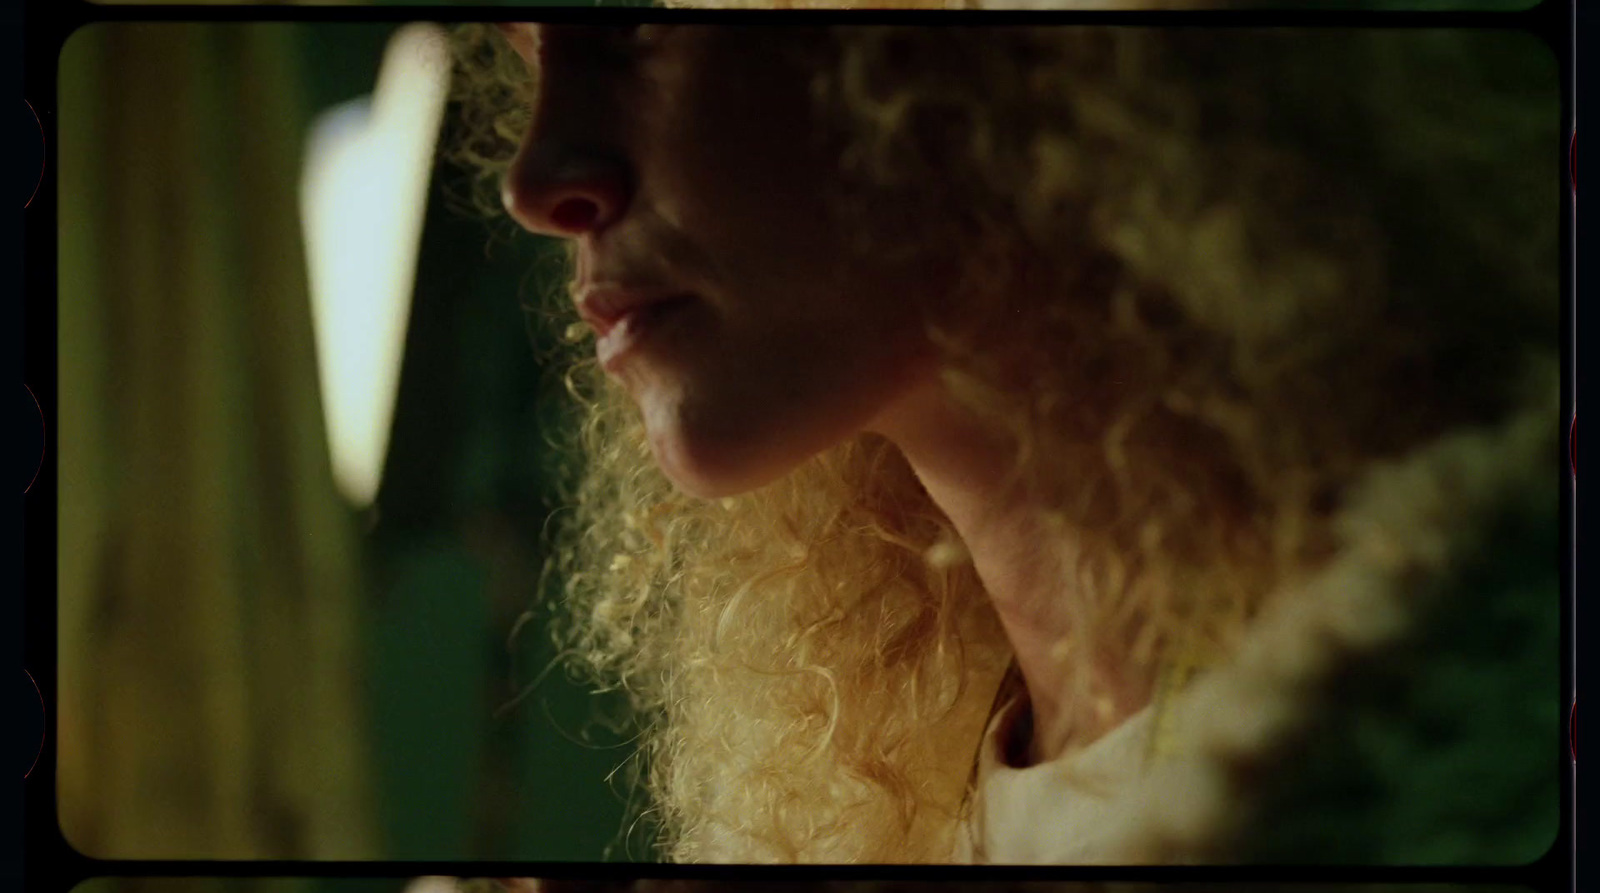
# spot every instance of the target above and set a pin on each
(250, 668)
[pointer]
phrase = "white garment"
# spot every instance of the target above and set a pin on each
(1065, 811)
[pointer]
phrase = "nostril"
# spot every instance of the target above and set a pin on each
(555, 190)
(575, 215)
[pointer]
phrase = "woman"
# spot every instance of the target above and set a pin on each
(1058, 444)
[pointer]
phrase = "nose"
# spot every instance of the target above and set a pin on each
(563, 191)
(568, 178)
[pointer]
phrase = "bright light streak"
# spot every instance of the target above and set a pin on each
(362, 196)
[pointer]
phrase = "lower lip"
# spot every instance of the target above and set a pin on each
(634, 331)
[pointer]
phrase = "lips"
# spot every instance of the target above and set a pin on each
(604, 307)
(623, 316)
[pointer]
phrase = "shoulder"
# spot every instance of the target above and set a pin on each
(1444, 746)
(1431, 732)
(1401, 707)
(1404, 708)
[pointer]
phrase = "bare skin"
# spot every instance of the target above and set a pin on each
(962, 465)
(680, 158)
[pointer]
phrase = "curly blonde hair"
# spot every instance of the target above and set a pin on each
(1212, 276)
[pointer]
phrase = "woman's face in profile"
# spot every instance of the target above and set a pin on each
(688, 167)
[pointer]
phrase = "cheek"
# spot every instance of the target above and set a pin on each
(742, 160)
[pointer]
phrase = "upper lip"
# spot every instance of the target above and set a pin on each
(603, 305)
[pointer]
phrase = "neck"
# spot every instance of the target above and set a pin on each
(964, 466)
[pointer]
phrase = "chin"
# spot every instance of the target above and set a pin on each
(713, 470)
(700, 479)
